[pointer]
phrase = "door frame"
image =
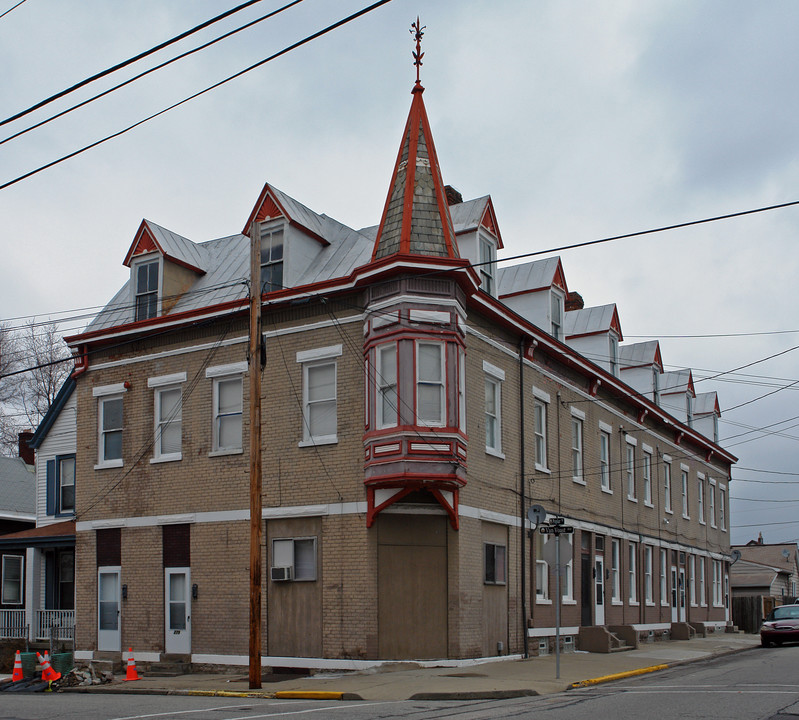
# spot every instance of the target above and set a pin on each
(177, 641)
(110, 639)
(682, 593)
(599, 589)
(675, 612)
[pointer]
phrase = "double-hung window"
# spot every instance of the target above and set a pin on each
(556, 314)
(540, 404)
(488, 265)
(60, 476)
(711, 502)
(646, 471)
(684, 490)
(430, 384)
(577, 420)
(146, 281)
(12, 580)
(296, 557)
(649, 584)
(723, 507)
(700, 497)
(494, 377)
(615, 571)
(632, 572)
(109, 425)
(667, 483)
(613, 348)
(605, 431)
(664, 578)
(541, 570)
(386, 382)
(271, 258)
(692, 580)
(629, 467)
(168, 404)
(319, 394)
(494, 570)
(228, 388)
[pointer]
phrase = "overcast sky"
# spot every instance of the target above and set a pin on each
(581, 120)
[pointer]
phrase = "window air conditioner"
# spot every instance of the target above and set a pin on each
(279, 574)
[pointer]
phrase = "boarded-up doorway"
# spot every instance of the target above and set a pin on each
(412, 587)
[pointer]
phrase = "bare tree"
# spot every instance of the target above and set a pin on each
(37, 363)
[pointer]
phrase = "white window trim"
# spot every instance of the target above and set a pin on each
(146, 259)
(664, 578)
(711, 505)
(380, 421)
(723, 508)
(578, 415)
(21, 560)
(603, 432)
(222, 373)
(701, 499)
(630, 442)
(632, 573)
(443, 383)
(668, 498)
(615, 573)
(308, 359)
(496, 376)
(237, 368)
(162, 384)
(702, 582)
(648, 482)
(684, 495)
(692, 581)
(544, 398)
(105, 394)
(649, 562)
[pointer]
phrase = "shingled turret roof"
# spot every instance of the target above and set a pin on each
(416, 219)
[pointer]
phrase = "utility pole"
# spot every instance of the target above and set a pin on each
(254, 359)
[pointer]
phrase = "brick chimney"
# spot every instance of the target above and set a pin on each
(26, 452)
(453, 196)
(574, 301)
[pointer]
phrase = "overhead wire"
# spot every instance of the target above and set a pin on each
(228, 79)
(125, 63)
(13, 7)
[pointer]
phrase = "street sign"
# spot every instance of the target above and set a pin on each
(556, 529)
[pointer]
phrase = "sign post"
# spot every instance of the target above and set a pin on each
(557, 527)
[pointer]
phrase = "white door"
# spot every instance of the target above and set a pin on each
(177, 613)
(108, 591)
(674, 595)
(599, 590)
(682, 594)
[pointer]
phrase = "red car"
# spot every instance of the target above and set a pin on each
(781, 625)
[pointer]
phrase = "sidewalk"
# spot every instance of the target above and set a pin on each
(478, 680)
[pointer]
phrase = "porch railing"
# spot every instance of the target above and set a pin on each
(55, 624)
(12, 624)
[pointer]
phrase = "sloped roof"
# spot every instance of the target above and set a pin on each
(530, 277)
(172, 246)
(640, 354)
(745, 573)
(416, 219)
(17, 487)
(677, 381)
(592, 321)
(707, 403)
(52, 413)
(60, 533)
(469, 215)
(771, 555)
(273, 203)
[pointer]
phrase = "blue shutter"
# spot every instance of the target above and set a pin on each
(51, 489)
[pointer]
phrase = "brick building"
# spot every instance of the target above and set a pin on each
(416, 400)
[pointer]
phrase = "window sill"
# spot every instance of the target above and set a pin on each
(108, 464)
(567, 601)
(650, 603)
(713, 526)
(664, 604)
(686, 517)
(229, 451)
(315, 442)
(634, 603)
(543, 601)
(701, 522)
(166, 459)
(579, 481)
(607, 491)
(649, 504)
(496, 453)
(617, 603)
(669, 511)
(543, 469)
(632, 499)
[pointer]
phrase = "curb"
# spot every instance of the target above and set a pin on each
(476, 695)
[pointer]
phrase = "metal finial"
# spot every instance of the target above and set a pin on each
(417, 30)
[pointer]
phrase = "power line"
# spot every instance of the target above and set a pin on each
(127, 62)
(151, 70)
(278, 54)
(13, 7)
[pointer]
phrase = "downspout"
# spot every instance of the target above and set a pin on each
(622, 491)
(522, 476)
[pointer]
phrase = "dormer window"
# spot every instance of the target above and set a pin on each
(271, 258)
(146, 278)
(488, 262)
(689, 410)
(614, 355)
(656, 386)
(556, 315)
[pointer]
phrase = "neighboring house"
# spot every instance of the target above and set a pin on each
(413, 392)
(17, 512)
(47, 550)
(766, 569)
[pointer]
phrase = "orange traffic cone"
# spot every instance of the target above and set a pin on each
(48, 674)
(131, 673)
(17, 675)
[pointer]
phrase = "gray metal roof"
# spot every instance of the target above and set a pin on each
(17, 487)
(530, 276)
(466, 216)
(589, 320)
(637, 354)
(705, 403)
(675, 381)
(177, 247)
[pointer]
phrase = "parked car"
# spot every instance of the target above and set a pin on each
(781, 625)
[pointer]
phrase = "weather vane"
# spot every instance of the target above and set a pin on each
(417, 30)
